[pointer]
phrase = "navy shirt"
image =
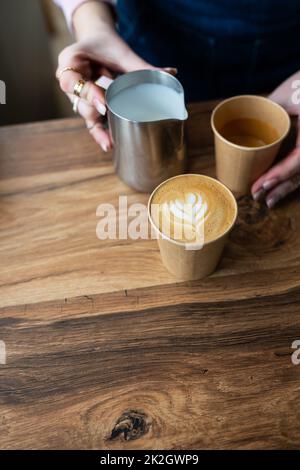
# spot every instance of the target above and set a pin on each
(220, 47)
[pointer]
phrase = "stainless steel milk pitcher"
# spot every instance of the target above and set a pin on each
(146, 153)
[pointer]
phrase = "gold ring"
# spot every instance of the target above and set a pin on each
(78, 87)
(66, 69)
(75, 104)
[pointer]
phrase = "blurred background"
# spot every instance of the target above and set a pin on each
(32, 33)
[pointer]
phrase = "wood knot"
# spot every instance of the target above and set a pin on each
(259, 229)
(131, 425)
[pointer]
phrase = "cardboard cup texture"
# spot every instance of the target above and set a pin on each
(237, 166)
(187, 261)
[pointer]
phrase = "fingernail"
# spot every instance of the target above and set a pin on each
(258, 196)
(100, 107)
(269, 184)
(104, 146)
(271, 202)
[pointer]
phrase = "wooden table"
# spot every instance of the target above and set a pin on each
(105, 350)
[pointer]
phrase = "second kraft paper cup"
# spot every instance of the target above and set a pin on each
(238, 166)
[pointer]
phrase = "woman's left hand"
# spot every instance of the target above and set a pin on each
(284, 177)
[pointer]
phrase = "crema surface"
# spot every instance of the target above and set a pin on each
(192, 208)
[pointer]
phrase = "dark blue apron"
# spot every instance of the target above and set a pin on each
(220, 47)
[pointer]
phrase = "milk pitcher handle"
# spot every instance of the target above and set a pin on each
(103, 82)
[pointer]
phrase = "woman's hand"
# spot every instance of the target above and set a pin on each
(284, 177)
(99, 51)
(100, 54)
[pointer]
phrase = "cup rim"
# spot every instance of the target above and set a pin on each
(142, 72)
(186, 244)
(243, 147)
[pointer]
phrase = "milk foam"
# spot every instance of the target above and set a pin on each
(186, 216)
(192, 208)
(148, 102)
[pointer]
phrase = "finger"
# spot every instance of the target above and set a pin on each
(88, 112)
(280, 191)
(278, 173)
(100, 135)
(81, 70)
(90, 92)
(72, 57)
(284, 169)
(78, 68)
(257, 187)
(93, 123)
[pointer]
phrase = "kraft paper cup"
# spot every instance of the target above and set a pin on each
(237, 166)
(188, 261)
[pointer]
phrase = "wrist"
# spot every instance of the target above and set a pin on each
(93, 18)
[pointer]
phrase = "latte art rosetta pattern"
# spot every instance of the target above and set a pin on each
(192, 209)
(186, 215)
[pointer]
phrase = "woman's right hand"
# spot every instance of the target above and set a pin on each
(100, 54)
(99, 51)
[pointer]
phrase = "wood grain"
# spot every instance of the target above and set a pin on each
(105, 350)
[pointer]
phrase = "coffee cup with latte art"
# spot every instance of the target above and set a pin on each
(192, 216)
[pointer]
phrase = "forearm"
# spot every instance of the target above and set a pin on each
(93, 17)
